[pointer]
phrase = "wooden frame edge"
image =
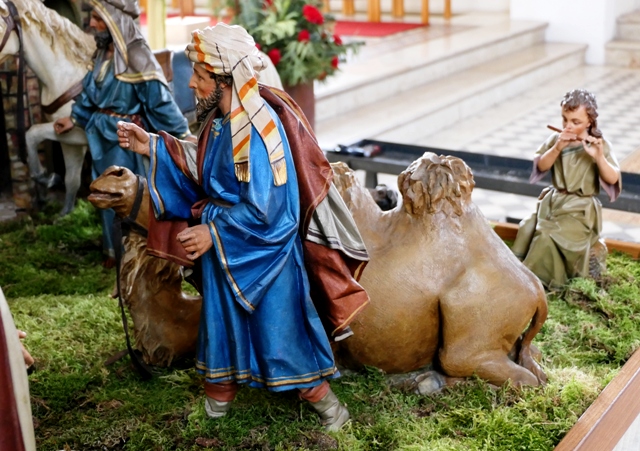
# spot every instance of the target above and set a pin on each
(606, 421)
(508, 231)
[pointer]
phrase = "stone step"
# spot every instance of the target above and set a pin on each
(443, 102)
(623, 53)
(369, 81)
(628, 27)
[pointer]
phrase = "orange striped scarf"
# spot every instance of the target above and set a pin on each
(230, 50)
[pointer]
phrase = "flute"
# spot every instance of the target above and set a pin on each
(556, 129)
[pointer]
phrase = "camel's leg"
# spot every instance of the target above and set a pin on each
(528, 361)
(433, 381)
(471, 344)
(494, 366)
(535, 352)
(526, 357)
(73, 159)
(500, 369)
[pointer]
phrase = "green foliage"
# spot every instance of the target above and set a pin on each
(79, 403)
(276, 26)
(34, 252)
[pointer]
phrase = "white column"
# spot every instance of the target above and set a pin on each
(591, 22)
(156, 16)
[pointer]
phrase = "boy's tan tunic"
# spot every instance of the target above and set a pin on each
(555, 241)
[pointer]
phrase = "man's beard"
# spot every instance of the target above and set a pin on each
(206, 104)
(102, 38)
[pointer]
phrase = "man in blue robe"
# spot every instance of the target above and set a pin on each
(259, 325)
(125, 84)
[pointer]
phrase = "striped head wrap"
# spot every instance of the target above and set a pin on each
(230, 50)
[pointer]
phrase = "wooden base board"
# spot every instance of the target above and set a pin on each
(607, 420)
(508, 231)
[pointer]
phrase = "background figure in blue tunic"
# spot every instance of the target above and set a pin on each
(259, 326)
(125, 84)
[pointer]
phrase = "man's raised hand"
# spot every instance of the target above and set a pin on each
(132, 137)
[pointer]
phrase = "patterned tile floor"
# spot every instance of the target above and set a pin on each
(618, 95)
(522, 128)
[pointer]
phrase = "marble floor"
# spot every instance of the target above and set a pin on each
(517, 127)
(523, 126)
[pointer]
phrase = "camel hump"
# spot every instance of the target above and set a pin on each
(436, 183)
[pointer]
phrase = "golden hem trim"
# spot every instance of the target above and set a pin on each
(138, 78)
(153, 152)
(225, 266)
(244, 376)
(279, 169)
(202, 366)
(183, 166)
(242, 171)
(358, 272)
(350, 318)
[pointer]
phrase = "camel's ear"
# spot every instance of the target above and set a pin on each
(412, 192)
(343, 178)
(401, 179)
(417, 196)
(404, 187)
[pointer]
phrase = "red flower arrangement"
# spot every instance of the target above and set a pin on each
(304, 35)
(312, 14)
(296, 36)
(275, 56)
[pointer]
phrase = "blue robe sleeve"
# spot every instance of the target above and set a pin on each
(160, 110)
(83, 108)
(255, 239)
(172, 191)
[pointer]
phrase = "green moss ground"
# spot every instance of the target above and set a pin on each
(58, 292)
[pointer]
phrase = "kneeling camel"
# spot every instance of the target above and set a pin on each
(445, 290)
